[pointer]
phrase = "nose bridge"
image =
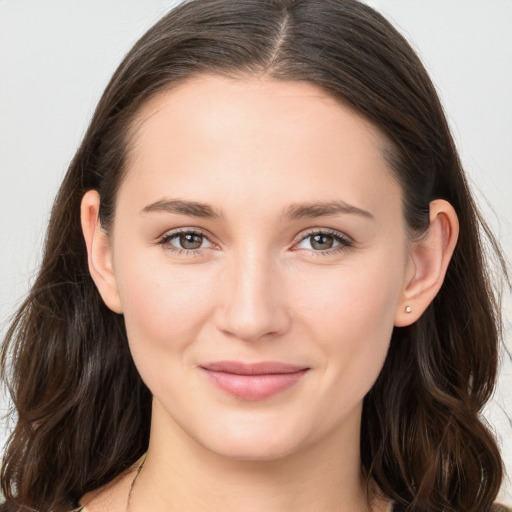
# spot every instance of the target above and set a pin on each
(251, 306)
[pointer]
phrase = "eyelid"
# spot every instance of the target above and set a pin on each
(344, 240)
(324, 231)
(187, 229)
(168, 235)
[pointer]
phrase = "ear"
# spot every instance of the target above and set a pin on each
(429, 259)
(99, 252)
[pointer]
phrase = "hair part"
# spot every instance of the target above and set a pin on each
(83, 410)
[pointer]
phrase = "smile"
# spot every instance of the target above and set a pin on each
(255, 381)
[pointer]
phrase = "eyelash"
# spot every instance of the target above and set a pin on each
(166, 239)
(343, 241)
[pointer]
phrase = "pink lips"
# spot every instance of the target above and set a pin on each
(254, 381)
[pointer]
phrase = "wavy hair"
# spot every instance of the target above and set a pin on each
(83, 412)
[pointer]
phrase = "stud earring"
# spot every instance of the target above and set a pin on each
(408, 309)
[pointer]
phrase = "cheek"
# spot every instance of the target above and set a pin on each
(349, 312)
(351, 299)
(163, 305)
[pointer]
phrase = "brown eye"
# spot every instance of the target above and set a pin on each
(190, 240)
(183, 241)
(322, 242)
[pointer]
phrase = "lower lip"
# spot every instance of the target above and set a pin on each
(254, 387)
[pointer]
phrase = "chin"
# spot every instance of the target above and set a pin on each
(252, 441)
(256, 450)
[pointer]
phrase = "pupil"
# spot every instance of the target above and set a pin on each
(191, 241)
(322, 242)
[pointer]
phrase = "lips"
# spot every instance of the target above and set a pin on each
(254, 381)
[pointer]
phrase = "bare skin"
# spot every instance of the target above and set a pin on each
(258, 221)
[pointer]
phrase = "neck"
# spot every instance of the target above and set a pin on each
(181, 474)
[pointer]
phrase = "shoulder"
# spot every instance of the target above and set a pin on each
(11, 508)
(499, 507)
(112, 497)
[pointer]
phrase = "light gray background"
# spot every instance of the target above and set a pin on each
(56, 57)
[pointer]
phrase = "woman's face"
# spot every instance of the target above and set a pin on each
(260, 256)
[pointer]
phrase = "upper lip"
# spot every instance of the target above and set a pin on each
(260, 368)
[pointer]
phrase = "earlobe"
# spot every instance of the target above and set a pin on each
(430, 257)
(99, 252)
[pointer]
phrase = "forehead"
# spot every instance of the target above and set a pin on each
(248, 136)
(207, 98)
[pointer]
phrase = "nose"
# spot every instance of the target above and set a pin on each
(252, 302)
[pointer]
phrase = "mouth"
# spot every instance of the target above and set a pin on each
(253, 381)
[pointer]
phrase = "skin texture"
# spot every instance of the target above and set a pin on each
(258, 288)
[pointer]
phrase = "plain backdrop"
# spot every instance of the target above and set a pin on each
(56, 57)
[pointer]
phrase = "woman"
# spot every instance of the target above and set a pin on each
(263, 285)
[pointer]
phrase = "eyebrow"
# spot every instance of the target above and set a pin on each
(324, 209)
(191, 208)
(294, 211)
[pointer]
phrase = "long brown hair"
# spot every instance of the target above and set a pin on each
(83, 413)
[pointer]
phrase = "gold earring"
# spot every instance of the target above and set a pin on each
(408, 309)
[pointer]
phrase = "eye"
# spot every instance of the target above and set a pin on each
(186, 241)
(324, 241)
